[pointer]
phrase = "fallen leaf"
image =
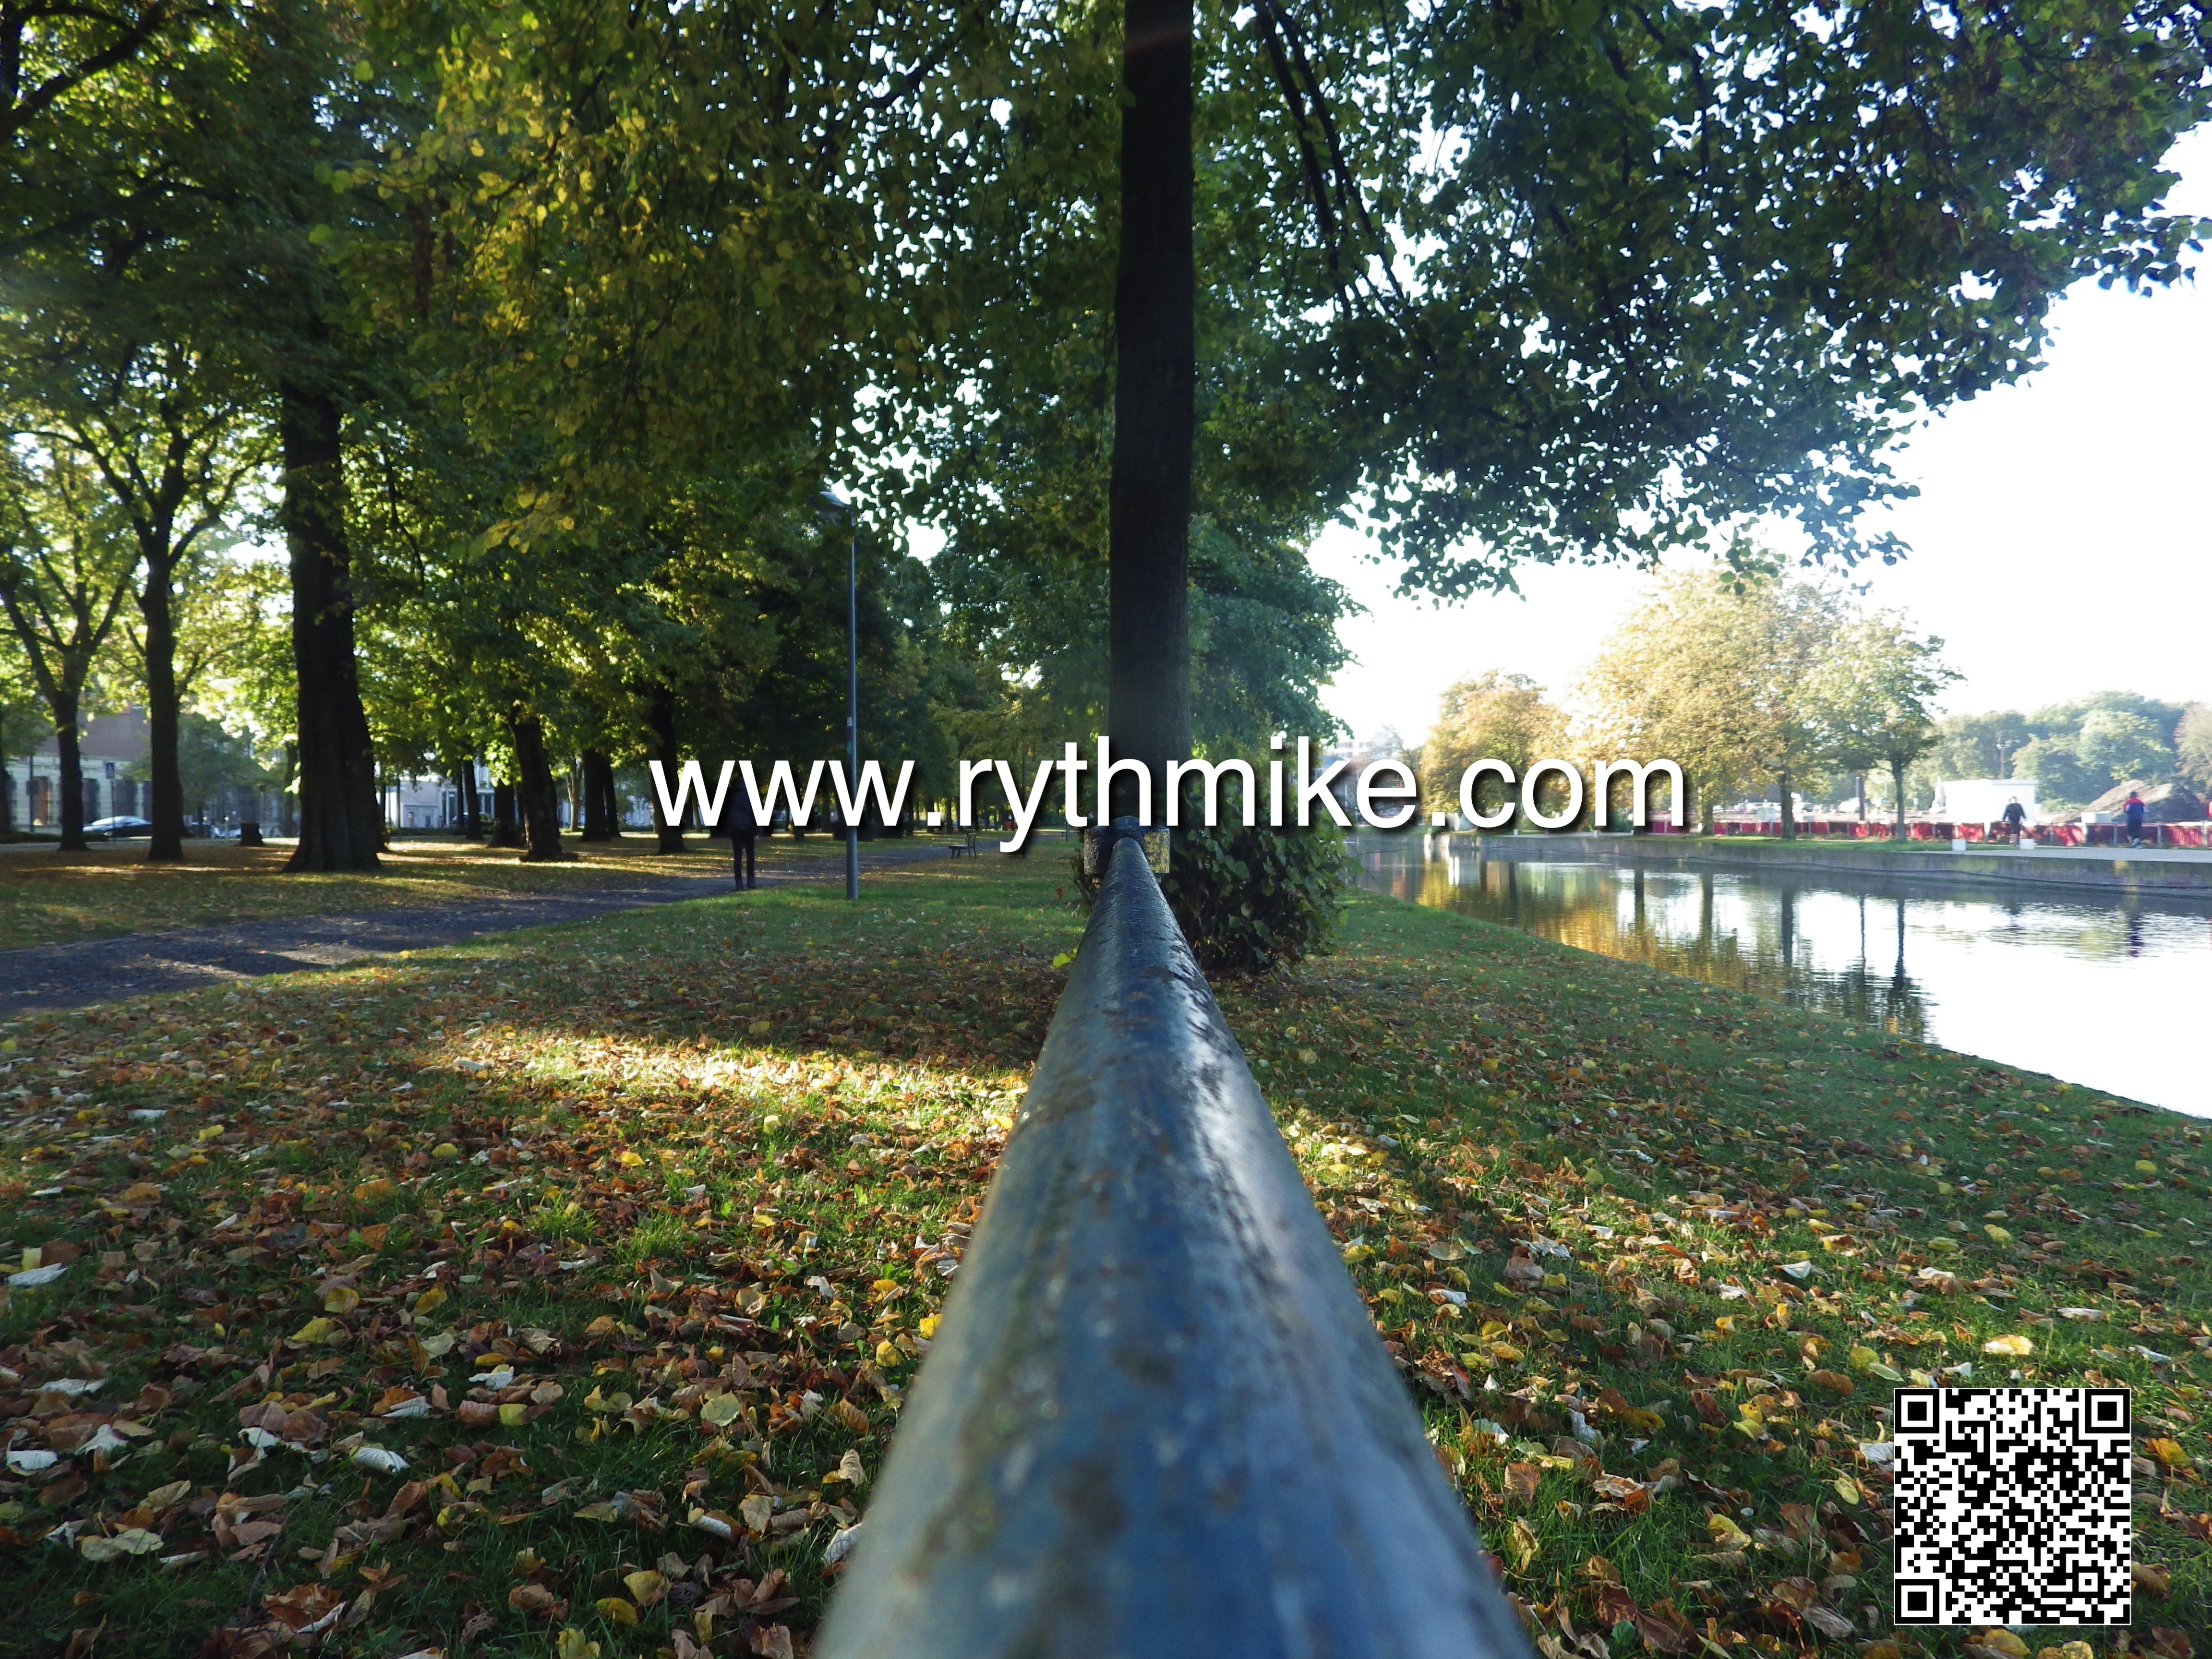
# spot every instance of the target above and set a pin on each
(2018, 1348)
(615, 1611)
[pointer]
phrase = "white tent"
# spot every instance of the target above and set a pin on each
(1982, 800)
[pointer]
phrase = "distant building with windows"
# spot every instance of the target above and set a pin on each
(111, 746)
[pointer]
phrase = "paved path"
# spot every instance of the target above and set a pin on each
(144, 964)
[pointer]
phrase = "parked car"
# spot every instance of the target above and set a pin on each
(117, 829)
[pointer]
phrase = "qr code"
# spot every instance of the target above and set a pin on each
(2013, 1506)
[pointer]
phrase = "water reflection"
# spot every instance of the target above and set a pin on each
(2107, 995)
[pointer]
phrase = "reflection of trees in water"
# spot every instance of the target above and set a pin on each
(1763, 951)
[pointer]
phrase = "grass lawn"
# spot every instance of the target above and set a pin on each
(53, 898)
(558, 1290)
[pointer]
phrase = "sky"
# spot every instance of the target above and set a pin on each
(2059, 543)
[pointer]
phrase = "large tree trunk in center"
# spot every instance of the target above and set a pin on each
(340, 823)
(156, 608)
(598, 797)
(1789, 809)
(1155, 376)
(541, 809)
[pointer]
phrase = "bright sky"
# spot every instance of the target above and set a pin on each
(2059, 541)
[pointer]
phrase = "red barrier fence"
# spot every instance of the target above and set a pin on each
(2047, 834)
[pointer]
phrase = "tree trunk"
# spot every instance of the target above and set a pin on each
(287, 813)
(1862, 787)
(540, 801)
(1897, 782)
(1788, 808)
(465, 786)
(69, 809)
(506, 827)
(598, 774)
(340, 825)
(1155, 375)
(156, 608)
(614, 809)
(660, 721)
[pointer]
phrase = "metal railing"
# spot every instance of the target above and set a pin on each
(1156, 1421)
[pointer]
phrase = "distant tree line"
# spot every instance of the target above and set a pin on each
(401, 385)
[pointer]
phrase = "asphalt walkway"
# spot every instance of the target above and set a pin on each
(146, 964)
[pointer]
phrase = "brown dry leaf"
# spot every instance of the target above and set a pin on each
(1663, 1628)
(1521, 1481)
(2170, 1644)
(851, 1416)
(535, 1599)
(2152, 1579)
(1833, 1381)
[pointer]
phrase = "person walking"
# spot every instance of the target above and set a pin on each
(2134, 809)
(2015, 815)
(745, 828)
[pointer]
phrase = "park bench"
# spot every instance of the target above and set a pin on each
(1156, 1419)
(961, 848)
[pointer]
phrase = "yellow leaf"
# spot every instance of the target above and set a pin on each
(1507, 1352)
(2168, 1452)
(2144, 1166)
(721, 1410)
(572, 1644)
(513, 1416)
(1847, 1489)
(927, 1329)
(341, 1299)
(431, 1300)
(1942, 1245)
(175, 1493)
(761, 1027)
(615, 1611)
(2018, 1348)
(316, 1330)
(374, 1192)
(596, 1401)
(755, 1511)
(629, 1160)
(646, 1588)
(1999, 1641)
(1864, 1359)
(1998, 1235)
(887, 1356)
(444, 1151)
(1521, 1545)
(1726, 1534)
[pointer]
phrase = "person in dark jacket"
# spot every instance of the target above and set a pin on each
(745, 829)
(2134, 810)
(2015, 815)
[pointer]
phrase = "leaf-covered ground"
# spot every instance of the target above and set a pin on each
(53, 898)
(557, 1292)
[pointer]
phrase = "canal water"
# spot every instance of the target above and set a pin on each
(2112, 994)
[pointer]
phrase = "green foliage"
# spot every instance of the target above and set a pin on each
(1250, 900)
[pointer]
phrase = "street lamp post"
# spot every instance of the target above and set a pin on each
(852, 681)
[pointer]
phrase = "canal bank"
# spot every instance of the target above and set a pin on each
(2160, 873)
(2103, 988)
